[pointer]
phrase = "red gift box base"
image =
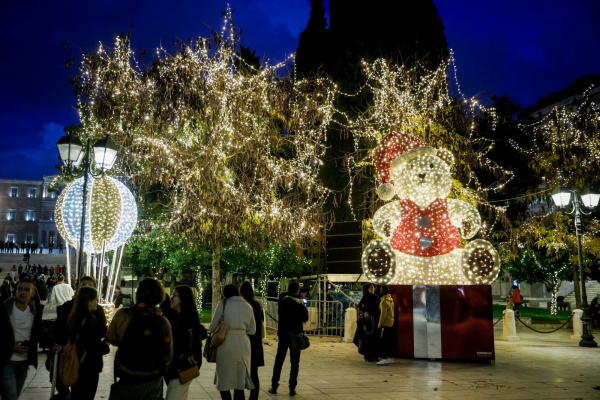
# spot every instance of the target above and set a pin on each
(453, 322)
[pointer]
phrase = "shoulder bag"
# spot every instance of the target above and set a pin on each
(214, 339)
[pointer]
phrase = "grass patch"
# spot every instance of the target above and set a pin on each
(205, 315)
(538, 315)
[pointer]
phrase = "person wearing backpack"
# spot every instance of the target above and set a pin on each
(292, 313)
(143, 336)
(86, 333)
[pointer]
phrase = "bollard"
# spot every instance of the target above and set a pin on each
(577, 325)
(349, 324)
(509, 328)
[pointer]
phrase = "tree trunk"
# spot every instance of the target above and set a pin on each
(172, 283)
(577, 288)
(216, 273)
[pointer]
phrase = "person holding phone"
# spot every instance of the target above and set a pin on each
(18, 339)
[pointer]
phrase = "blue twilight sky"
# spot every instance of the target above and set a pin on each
(526, 49)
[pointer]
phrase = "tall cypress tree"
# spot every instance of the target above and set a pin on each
(313, 44)
(402, 31)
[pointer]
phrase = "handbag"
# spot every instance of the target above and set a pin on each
(210, 353)
(299, 341)
(188, 374)
(219, 335)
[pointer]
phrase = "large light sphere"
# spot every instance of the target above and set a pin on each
(111, 213)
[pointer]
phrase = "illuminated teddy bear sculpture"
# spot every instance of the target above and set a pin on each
(420, 229)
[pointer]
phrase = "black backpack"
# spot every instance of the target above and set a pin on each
(138, 354)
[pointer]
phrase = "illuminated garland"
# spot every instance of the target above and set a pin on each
(420, 230)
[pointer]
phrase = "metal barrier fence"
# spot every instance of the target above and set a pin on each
(325, 318)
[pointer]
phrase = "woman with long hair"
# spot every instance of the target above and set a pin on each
(187, 341)
(256, 346)
(234, 354)
(87, 329)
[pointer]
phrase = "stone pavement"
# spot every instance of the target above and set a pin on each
(537, 367)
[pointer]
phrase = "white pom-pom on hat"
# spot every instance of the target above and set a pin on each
(386, 191)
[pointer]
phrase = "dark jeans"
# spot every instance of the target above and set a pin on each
(254, 376)
(388, 342)
(282, 348)
(86, 386)
(237, 395)
(13, 379)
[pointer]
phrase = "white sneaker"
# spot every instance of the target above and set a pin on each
(385, 361)
(391, 360)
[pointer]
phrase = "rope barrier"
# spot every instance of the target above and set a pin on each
(499, 319)
(535, 330)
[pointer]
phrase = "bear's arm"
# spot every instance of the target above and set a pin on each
(386, 219)
(464, 216)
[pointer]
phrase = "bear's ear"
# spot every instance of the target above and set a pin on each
(445, 155)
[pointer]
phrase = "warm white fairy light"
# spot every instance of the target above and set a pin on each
(421, 227)
(111, 214)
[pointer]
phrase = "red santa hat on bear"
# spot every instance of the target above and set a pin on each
(393, 150)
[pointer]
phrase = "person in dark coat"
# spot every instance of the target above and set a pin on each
(61, 334)
(291, 314)
(367, 323)
(187, 341)
(256, 346)
(89, 332)
(5, 290)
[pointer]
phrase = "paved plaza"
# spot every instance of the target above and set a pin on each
(538, 367)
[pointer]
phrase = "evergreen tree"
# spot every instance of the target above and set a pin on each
(403, 32)
(313, 44)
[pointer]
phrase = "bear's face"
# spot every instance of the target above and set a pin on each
(421, 177)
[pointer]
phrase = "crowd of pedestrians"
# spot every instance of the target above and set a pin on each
(156, 339)
(9, 247)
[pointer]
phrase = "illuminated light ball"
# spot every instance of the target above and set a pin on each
(379, 262)
(111, 213)
(481, 263)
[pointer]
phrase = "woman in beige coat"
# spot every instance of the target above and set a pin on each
(233, 355)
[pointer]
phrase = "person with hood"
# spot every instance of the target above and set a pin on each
(388, 340)
(19, 336)
(367, 324)
(292, 313)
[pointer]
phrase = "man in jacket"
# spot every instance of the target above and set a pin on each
(292, 313)
(386, 324)
(20, 323)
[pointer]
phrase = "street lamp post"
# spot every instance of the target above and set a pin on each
(561, 197)
(73, 155)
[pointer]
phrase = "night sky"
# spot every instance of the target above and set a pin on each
(526, 49)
